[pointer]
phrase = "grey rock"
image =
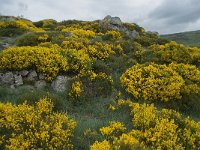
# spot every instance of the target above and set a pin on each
(41, 76)
(24, 73)
(5, 45)
(112, 20)
(60, 84)
(18, 80)
(7, 78)
(12, 86)
(133, 34)
(40, 84)
(32, 76)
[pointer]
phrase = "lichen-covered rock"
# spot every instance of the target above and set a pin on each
(41, 77)
(7, 78)
(40, 84)
(23, 73)
(133, 34)
(112, 20)
(18, 80)
(60, 84)
(32, 76)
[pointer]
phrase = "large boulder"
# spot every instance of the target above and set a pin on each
(112, 20)
(60, 84)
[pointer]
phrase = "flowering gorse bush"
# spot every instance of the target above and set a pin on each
(80, 32)
(21, 24)
(34, 127)
(114, 128)
(47, 61)
(153, 129)
(172, 52)
(152, 82)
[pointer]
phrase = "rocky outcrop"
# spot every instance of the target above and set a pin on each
(133, 34)
(115, 23)
(112, 20)
(60, 84)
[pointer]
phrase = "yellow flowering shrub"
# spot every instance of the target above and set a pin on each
(80, 32)
(114, 128)
(172, 52)
(76, 89)
(48, 23)
(152, 82)
(79, 61)
(112, 35)
(126, 142)
(21, 24)
(75, 42)
(191, 75)
(34, 127)
(155, 129)
(187, 71)
(47, 61)
(104, 145)
(43, 38)
(195, 52)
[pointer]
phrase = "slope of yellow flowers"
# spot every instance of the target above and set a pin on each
(34, 127)
(153, 129)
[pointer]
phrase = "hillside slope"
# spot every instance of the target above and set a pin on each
(96, 85)
(191, 38)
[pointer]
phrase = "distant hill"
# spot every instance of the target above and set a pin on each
(191, 38)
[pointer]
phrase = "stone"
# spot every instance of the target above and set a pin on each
(41, 76)
(40, 84)
(7, 78)
(60, 84)
(12, 86)
(32, 76)
(23, 73)
(18, 80)
(112, 20)
(133, 34)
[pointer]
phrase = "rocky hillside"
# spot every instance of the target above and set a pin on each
(102, 84)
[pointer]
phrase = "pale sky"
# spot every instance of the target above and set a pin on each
(163, 16)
